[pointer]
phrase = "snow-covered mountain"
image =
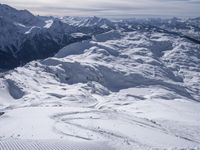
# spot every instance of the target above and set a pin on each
(184, 27)
(22, 35)
(19, 16)
(88, 21)
(130, 84)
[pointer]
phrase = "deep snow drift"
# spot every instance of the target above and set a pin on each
(130, 90)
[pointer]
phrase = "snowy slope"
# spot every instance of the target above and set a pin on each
(88, 21)
(131, 90)
(51, 145)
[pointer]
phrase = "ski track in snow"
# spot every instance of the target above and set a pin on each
(129, 90)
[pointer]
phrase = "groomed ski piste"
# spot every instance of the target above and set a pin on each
(51, 145)
(120, 90)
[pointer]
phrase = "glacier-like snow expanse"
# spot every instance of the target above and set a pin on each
(128, 90)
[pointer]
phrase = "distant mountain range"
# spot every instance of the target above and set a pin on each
(25, 37)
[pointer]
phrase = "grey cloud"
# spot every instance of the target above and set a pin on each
(110, 7)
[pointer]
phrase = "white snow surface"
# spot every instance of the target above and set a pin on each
(78, 35)
(31, 29)
(51, 145)
(48, 23)
(129, 90)
(86, 21)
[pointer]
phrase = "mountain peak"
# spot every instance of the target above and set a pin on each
(6, 8)
(20, 16)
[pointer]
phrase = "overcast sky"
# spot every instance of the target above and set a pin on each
(109, 8)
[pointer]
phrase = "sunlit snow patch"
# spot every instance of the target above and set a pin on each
(77, 35)
(30, 30)
(48, 23)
